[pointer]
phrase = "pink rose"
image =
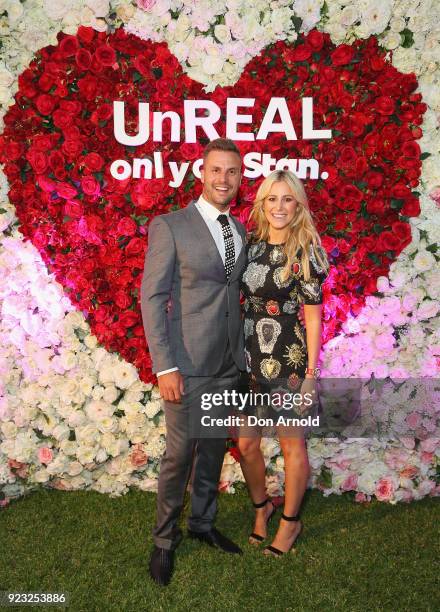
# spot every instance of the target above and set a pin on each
(409, 471)
(138, 457)
(361, 497)
(413, 420)
(45, 454)
(145, 5)
(350, 483)
(385, 489)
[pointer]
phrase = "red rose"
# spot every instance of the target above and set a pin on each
(301, 53)
(411, 149)
(374, 179)
(143, 65)
(90, 185)
(38, 160)
(315, 40)
(342, 55)
(61, 118)
(376, 207)
(385, 105)
(106, 55)
(86, 34)
(387, 242)
(411, 208)
(191, 152)
(56, 159)
(83, 59)
(93, 162)
(88, 86)
(66, 191)
(127, 227)
(45, 104)
(402, 231)
(68, 46)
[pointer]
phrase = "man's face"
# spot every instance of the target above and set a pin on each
(221, 177)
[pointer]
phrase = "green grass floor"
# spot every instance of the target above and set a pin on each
(349, 557)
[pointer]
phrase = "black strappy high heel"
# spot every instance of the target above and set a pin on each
(276, 552)
(255, 538)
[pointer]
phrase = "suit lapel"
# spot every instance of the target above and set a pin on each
(202, 234)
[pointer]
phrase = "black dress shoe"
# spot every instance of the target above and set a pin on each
(161, 565)
(216, 539)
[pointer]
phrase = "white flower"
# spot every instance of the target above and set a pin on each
(423, 261)
(125, 374)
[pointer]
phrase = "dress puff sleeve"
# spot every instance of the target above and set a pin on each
(310, 292)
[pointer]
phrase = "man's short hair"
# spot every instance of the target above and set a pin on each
(221, 144)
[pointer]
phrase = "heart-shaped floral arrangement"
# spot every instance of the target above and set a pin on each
(91, 228)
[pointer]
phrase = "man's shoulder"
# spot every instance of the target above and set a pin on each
(171, 218)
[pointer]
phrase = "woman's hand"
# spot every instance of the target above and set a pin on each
(309, 392)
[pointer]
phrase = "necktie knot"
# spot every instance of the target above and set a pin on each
(223, 219)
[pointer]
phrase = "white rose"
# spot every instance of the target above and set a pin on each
(423, 261)
(222, 33)
(9, 429)
(98, 409)
(427, 310)
(76, 418)
(391, 40)
(56, 10)
(125, 374)
(106, 424)
(213, 64)
(85, 454)
(74, 468)
(99, 7)
(90, 341)
(152, 408)
(349, 15)
(110, 394)
(41, 475)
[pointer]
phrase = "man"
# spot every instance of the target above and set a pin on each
(191, 313)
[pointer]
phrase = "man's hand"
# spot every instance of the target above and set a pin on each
(171, 387)
(301, 315)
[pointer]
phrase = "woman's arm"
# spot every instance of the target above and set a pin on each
(312, 316)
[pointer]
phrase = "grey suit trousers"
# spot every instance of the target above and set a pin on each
(184, 452)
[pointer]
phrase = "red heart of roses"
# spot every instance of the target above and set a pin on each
(91, 228)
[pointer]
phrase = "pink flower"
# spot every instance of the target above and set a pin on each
(409, 471)
(350, 483)
(362, 498)
(435, 195)
(385, 489)
(413, 420)
(45, 454)
(138, 457)
(145, 5)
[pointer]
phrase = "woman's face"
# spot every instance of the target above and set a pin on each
(280, 205)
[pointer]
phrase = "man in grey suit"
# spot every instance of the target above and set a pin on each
(191, 313)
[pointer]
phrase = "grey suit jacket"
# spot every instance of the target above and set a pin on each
(189, 308)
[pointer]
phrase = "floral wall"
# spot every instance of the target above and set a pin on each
(78, 409)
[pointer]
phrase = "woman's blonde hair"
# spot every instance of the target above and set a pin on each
(302, 231)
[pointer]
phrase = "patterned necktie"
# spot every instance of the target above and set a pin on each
(229, 244)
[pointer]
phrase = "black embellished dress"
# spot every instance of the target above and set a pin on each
(275, 339)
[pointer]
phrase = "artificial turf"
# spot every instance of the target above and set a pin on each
(96, 548)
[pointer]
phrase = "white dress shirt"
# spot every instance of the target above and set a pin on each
(209, 215)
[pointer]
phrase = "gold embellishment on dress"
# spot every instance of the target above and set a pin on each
(299, 333)
(319, 269)
(294, 355)
(270, 368)
(257, 303)
(276, 256)
(268, 331)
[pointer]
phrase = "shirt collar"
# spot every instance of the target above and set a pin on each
(211, 211)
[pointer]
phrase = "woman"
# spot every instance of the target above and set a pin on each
(286, 267)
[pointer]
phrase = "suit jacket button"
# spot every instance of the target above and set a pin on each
(226, 314)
